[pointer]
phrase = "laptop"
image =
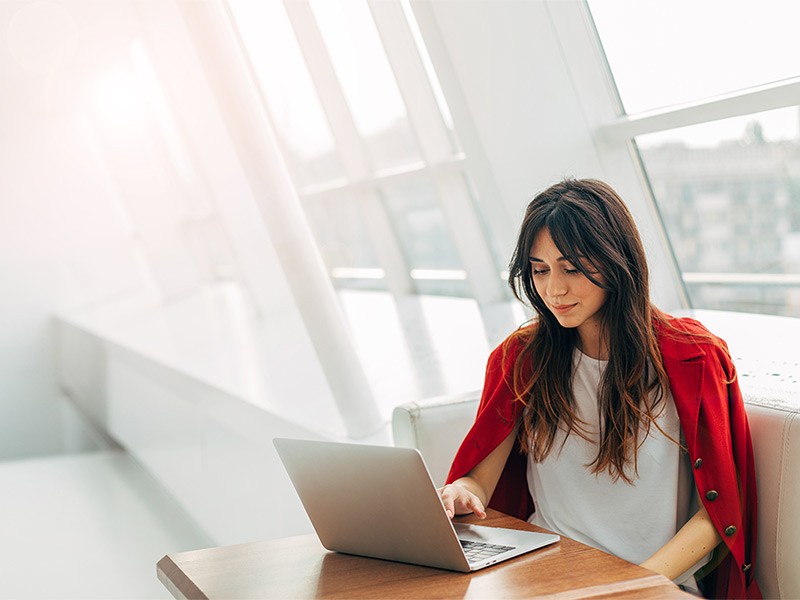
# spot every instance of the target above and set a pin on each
(380, 501)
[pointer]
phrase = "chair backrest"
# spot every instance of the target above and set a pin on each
(775, 428)
(437, 426)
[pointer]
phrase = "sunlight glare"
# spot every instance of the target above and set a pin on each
(153, 94)
(116, 99)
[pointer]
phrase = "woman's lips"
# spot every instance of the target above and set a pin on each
(561, 309)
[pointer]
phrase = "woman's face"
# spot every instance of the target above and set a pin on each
(572, 298)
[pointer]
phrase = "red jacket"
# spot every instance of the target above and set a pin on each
(714, 424)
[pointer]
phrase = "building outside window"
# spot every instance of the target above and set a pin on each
(723, 169)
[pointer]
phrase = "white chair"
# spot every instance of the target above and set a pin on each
(437, 426)
(775, 427)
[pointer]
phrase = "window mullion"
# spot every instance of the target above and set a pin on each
(767, 97)
(323, 76)
(402, 173)
(480, 171)
(469, 238)
(436, 146)
(423, 112)
(348, 141)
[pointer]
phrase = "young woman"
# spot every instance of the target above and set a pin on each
(605, 419)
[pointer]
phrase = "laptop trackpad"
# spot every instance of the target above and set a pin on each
(481, 533)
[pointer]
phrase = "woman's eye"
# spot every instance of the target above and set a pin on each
(540, 271)
(571, 271)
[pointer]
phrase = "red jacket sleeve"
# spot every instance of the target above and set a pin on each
(714, 422)
(498, 415)
(734, 576)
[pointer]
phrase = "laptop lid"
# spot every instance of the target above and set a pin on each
(380, 501)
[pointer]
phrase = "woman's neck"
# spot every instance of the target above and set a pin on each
(592, 342)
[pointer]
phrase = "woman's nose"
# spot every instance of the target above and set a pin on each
(556, 285)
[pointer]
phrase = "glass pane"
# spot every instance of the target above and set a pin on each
(441, 101)
(729, 194)
(501, 249)
(367, 80)
(666, 53)
(425, 239)
(343, 240)
(288, 90)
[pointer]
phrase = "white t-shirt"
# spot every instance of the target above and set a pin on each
(629, 521)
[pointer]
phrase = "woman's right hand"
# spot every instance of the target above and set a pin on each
(458, 500)
(470, 493)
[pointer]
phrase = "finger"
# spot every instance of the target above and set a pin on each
(476, 506)
(447, 500)
(449, 509)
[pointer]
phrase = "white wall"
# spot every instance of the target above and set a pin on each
(61, 242)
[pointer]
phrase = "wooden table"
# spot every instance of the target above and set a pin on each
(299, 567)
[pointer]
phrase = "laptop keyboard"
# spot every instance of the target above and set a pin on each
(478, 551)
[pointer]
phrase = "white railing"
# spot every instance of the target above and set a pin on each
(763, 279)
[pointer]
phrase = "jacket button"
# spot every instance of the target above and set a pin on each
(730, 530)
(746, 567)
(711, 495)
(698, 463)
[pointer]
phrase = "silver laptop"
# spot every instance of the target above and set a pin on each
(380, 501)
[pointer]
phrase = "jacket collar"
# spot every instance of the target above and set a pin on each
(674, 343)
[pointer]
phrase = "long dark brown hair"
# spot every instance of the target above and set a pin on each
(596, 233)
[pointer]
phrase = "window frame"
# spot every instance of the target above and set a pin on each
(615, 131)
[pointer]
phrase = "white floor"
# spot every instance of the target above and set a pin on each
(86, 526)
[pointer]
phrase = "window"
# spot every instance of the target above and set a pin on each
(426, 242)
(369, 87)
(344, 241)
(724, 169)
(728, 194)
(292, 100)
(370, 145)
(667, 53)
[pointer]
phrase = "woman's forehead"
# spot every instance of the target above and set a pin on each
(542, 241)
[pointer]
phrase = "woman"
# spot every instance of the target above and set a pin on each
(605, 419)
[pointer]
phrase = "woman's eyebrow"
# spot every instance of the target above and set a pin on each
(559, 259)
